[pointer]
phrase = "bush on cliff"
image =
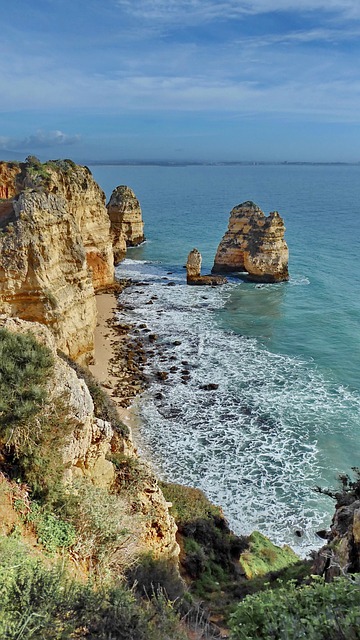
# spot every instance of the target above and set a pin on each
(319, 611)
(30, 429)
(42, 602)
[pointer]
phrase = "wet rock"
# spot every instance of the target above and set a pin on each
(162, 375)
(212, 386)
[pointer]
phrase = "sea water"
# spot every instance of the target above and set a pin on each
(285, 415)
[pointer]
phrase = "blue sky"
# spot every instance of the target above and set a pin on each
(181, 79)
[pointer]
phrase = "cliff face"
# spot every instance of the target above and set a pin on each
(44, 275)
(55, 249)
(127, 227)
(85, 201)
(254, 243)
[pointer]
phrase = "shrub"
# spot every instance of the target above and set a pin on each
(53, 532)
(24, 368)
(30, 429)
(43, 603)
(319, 611)
(105, 536)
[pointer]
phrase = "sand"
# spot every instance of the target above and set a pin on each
(117, 371)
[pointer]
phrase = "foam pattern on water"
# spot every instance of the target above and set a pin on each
(255, 445)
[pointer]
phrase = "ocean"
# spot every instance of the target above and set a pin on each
(285, 357)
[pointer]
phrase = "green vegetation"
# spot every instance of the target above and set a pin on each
(40, 602)
(263, 556)
(318, 611)
(51, 531)
(24, 368)
(188, 504)
(30, 429)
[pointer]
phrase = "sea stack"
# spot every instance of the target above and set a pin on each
(193, 271)
(254, 243)
(127, 226)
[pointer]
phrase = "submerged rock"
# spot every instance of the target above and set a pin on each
(193, 271)
(254, 243)
(127, 226)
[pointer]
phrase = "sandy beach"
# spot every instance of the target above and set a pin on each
(118, 358)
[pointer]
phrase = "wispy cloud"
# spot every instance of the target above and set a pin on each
(39, 140)
(198, 10)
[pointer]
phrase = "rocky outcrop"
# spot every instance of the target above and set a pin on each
(8, 173)
(44, 276)
(127, 227)
(85, 201)
(341, 554)
(254, 243)
(55, 249)
(193, 271)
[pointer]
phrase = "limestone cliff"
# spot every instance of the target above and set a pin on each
(127, 227)
(44, 275)
(254, 243)
(55, 249)
(85, 201)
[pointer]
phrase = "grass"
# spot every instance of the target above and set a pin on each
(263, 556)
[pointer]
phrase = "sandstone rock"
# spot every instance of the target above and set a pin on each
(55, 249)
(44, 276)
(127, 227)
(342, 552)
(84, 199)
(254, 243)
(8, 174)
(193, 271)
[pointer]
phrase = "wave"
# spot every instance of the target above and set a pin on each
(257, 439)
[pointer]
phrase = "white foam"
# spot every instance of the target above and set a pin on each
(253, 444)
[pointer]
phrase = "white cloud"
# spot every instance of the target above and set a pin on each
(194, 11)
(39, 140)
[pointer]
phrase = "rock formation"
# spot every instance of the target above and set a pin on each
(44, 276)
(127, 227)
(254, 243)
(341, 554)
(193, 271)
(55, 249)
(84, 199)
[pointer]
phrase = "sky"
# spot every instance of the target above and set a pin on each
(204, 80)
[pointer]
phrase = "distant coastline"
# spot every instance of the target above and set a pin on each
(195, 163)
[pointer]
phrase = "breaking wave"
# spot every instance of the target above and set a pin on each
(255, 430)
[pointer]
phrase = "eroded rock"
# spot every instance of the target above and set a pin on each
(127, 226)
(254, 243)
(193, 272)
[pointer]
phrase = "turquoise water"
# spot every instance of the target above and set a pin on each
(286, 414)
